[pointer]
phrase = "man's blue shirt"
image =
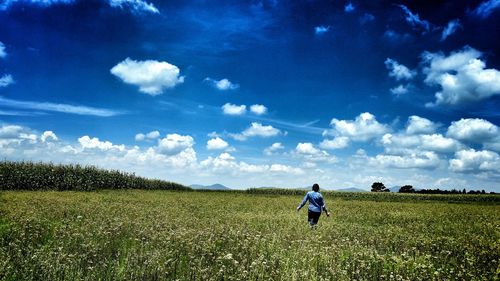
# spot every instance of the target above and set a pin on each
(316, 203)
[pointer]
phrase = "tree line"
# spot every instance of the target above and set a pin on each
(380, 187)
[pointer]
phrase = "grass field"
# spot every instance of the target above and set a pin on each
(169, 235)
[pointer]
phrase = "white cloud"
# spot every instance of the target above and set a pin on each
(310, 153)
(402, 144)
(233, 109)
(473, 130)
(140, 137)
(486, 8)
(273, 148)
(48, 135)
(420, 159)
(451, 28)
(174, 144)
(398, 71)
(151, 76)
(469, 161)
(257, 130)
(217, 144)
(462, 77)
(336, 143)
(399, 90)
(364, 128)
(223, 84)
(320, 30)
(60, 107)
(349, 7)
(3, 53)
(420, 125)
(414, 19)
(279, 168)
(151, 135)
(6, 80)
(135, 5)
(94, 143)
(258, 109)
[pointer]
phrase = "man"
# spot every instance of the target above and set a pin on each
(316, 205)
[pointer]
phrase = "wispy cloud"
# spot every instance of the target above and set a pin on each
(451, 28)
(59, 107)
(414, 19)
(223, 84)
(3, 54)
(319, 30)
(135, 5)
(485, 9)
(349, 7)
(6, 80)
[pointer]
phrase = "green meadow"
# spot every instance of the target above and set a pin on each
(183, 235)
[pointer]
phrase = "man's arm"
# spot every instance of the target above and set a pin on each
(303, 202)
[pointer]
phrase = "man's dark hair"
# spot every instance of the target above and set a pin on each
(316, 187)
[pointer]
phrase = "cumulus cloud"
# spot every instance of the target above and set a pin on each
(473, 130)
(174, 144)
(3, 53)
(151, 136)
(398, 71)
(233, 109)
(399, 90)
(48, 136)
(321, 29)
(223, 84)
(87, 142)
(151, 76)
(258, 109)
(349, 7)
(6, 80)
(420, 159)
(60, 107)
(336, 143)
(364, 128)
(401, 144)
(280, 168)
(257, 130)
(461, 75)
(217, 144)
(486, 8)
(451, 28)
(273, 148)
(414, 19)
(134, 5)
(307, 151)
(17, 135)
(470, 161)
(420, 125)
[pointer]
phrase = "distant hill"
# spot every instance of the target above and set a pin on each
(394, 188)
(216, 186)
(351, 189)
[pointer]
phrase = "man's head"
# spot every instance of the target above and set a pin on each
(316, 187)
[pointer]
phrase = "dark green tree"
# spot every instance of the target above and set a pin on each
(379, 187)
(406, 189)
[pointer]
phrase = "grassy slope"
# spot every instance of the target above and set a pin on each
(132, 234)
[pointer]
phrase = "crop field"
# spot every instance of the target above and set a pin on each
(176, 235)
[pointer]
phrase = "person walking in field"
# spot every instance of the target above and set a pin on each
(316, 205)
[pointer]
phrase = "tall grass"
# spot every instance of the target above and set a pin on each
(48, 176)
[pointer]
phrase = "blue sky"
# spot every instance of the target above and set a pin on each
(256, 93)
